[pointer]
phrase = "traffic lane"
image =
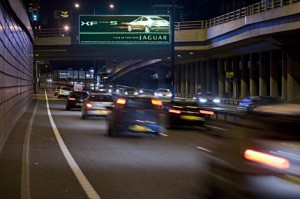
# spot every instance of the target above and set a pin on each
(142, 166)
(50, 175)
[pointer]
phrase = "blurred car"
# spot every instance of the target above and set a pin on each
(135, 114)
(251, 102)
(207, 99)
(185, 113)
(259, 158)
(149, 24)
(64, 91)
(97, 104)
(75, 99)
(56, 90)
(130, 91)
(163, 93)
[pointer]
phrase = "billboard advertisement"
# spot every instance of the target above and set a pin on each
(124, 29)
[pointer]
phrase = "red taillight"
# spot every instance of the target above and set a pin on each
(121, 101)
(207, 112)
(266, 159)
(174, 111)
(89, 105)
(156, 102)
(72, 99)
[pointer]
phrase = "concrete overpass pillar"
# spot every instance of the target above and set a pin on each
(203, 77)
(253, 74)
(273, 74)
(197, 77)
(244, 77)
(263, 76)
(284, 75)
(215, 77)
(221, 79)
(235, 80)
(192, 79)
(293, 76)
(208, 76)
(228, 81)
(182, 79)
(187, 80)
(177, 80)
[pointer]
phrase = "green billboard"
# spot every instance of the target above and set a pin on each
(124, 29)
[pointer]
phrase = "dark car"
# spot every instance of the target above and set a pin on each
(251, 102)
(135, 114)
(75, 99)
(259, 158)
(97, 104)
(207, 99)
(185, 113)
(129, 91)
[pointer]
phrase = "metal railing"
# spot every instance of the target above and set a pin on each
(262, 6)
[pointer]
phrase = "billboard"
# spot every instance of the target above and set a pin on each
(124, 29)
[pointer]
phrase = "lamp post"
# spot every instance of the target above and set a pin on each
(173, 47)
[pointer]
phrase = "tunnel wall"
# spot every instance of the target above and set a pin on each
(16, 65)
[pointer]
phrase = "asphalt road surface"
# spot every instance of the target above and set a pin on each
(53, 153)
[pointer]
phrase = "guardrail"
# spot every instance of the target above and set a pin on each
(262, 6)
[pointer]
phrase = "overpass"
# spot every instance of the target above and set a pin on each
(260, 37)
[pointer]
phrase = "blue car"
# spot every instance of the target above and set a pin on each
(251, 102)
(135, 114)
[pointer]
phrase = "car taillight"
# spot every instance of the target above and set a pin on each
(156, 102)
(207, 112)
(266, 159)
(72, 99)
(121, 101)
(88, 105)
(174, 111)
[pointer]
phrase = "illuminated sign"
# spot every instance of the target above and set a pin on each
(129, 29)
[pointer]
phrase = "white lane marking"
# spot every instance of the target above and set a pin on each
(204, 149)
(164, 134)
(216, 128)
(84, 182)
(25, 177)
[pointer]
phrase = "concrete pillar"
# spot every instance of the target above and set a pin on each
(192, 79)
(244, 77)
(253, 74)
(187, 79)
(273, 74)
(177, 80)
(263, 76)
(215, 77)
(228, 81)
(284, 75)
(293, 76)
(203, 77)
(197, 77)
(221, 79)
(236, 77)
(208, 76)
(182, 79)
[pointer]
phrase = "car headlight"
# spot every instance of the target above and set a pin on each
(202, 100)
(141, 91)
(126, 93)
(135, 93)
(216, 101)
(159, 94)
(169, 94)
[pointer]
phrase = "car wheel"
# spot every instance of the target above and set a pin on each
(68, 108)
(129, 28)
(147, 29)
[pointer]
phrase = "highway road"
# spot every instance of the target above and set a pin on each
(53, 153)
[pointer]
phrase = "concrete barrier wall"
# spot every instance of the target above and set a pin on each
(16, 65)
